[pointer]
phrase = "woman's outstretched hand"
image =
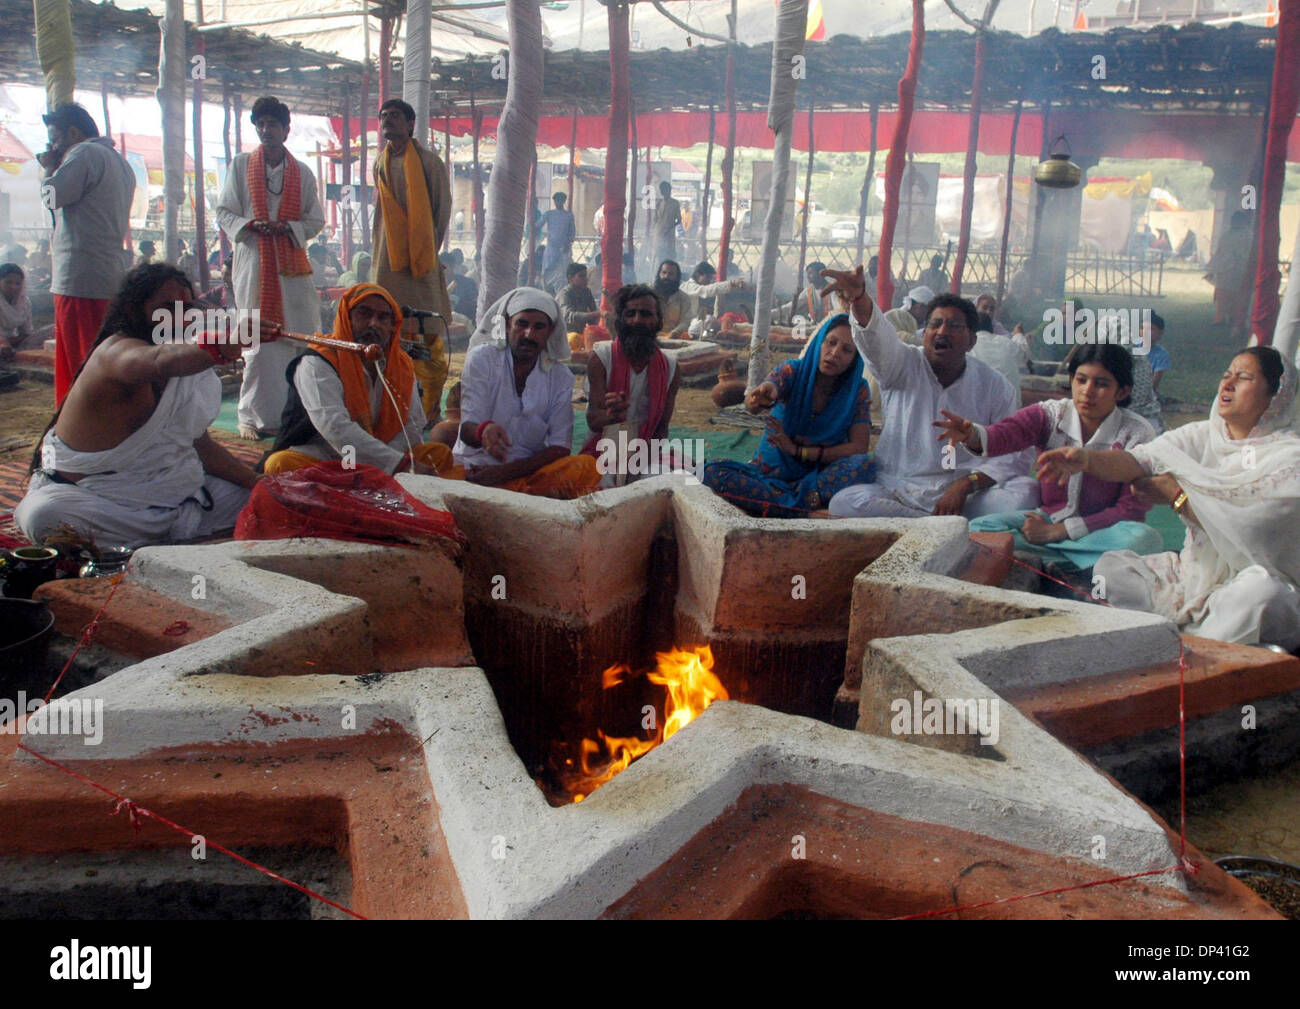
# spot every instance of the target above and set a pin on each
(851, 286)
(762, 397)
(1060, 464)
(957, 431)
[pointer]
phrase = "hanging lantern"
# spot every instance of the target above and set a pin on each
(1058, 171)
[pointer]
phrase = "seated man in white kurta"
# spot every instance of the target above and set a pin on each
(516, 402)
(916, 474)
(127, 460)
(269, 210)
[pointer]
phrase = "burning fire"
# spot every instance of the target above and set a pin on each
(692, 687)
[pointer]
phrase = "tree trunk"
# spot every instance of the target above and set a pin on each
(516, 147)
(791, 26)
(968, 176)
(611, 245)
(415, 67)
(171, 99)
(1006, 216)
(898, 157)
(868, 181)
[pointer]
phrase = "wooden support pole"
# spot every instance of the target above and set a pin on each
(200, 189)
(225, 146)
(968, 176)
(573, 159)
(728, 160)
(451, 169)
(898, 157)
(346, 207)
(807, 205)
(868, 182)
(705, 195)
(363, 202)
(1006, 215)
(611, 246)
(635, 194)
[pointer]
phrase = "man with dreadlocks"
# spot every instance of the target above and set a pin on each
(127, 459)
(269, 210)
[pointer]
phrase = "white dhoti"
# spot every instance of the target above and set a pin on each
(1253, 608)
(49, 505)
(150, 488)
(888, 498)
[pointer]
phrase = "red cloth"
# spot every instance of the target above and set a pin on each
(76, 325)
(620, 380)
(1119, 133)
(363, 504)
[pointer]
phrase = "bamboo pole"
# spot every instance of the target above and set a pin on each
(807, 205)
(611, 245)
(705, 198)
(1006, 216)
(868, 181)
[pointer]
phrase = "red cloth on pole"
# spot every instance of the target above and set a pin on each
(363, 504)
(1121, 133)
(611, 243)
(898, 156)
(968, 176)
(76, 325)
(1286, 99)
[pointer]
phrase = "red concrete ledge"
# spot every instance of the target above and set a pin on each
(992, 560)
(135, 620)
(1126, 704)
(369, 797)
(861, 864)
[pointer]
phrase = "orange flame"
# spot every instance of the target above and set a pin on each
(692, 687)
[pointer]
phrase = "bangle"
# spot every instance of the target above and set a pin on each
(478, 432)
(1180, 502)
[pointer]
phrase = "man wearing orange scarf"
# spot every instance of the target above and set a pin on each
(342, 406)
(269, 210)
(412, 208)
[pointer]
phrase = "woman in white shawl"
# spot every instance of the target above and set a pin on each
(1234, 479)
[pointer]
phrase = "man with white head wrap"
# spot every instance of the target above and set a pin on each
(908, 319)
(517, 402)
(1234, 480)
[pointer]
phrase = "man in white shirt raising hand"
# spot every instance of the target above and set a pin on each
(916, 475)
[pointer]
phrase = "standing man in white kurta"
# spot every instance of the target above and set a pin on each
(270, 210)
(916, 475)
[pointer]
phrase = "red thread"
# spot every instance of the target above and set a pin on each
(85, 635)
(176, 628)
(1043, 893)
(132, 812)
(135, 811)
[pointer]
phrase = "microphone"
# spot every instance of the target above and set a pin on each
(417, 313)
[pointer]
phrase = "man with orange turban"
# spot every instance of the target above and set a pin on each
(343, 406)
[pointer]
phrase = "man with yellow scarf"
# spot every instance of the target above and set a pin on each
(343, 406)
(412, 209)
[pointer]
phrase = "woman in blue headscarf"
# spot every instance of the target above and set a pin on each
(817, 436)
